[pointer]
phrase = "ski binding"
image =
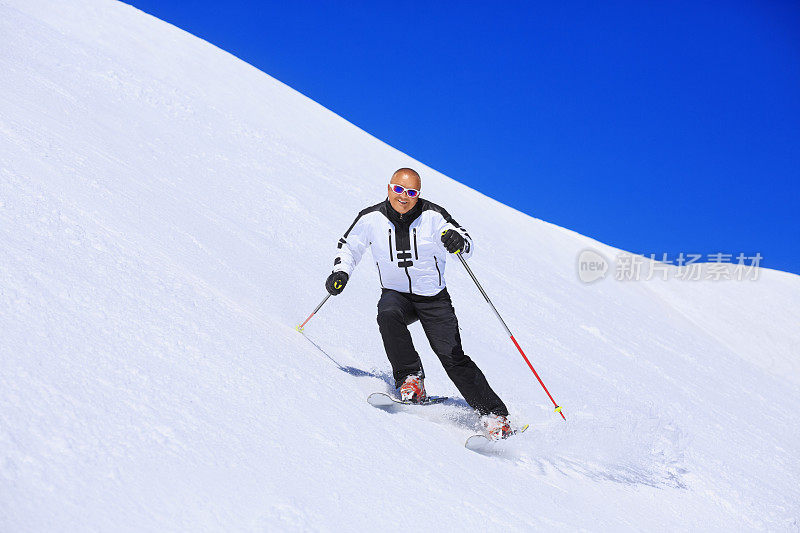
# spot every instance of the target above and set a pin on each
(383, 400)
(481, 443)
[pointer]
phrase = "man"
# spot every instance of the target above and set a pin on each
(410, 239)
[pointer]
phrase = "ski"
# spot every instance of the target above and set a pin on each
(481, 443)
(383, 400)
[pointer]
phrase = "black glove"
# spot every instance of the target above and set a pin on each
(336, 282)
(453, 241)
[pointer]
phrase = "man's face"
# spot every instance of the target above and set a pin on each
(401, 202)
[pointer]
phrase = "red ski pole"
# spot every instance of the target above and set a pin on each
(469, 270)
(300, 327)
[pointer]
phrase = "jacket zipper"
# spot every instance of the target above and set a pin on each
(416, 255)
(436, 262)
(380, 279)
(391, 255)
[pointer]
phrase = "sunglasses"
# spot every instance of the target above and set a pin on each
(399, 189)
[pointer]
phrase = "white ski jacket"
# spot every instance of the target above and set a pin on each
(407, 248)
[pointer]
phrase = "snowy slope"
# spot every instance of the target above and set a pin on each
(168, 214)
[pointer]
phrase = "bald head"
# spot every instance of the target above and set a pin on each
(407, 175)
(409, 179)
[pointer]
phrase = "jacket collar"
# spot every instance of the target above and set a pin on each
(405, 218)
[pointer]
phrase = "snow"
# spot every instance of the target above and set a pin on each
(168, 215)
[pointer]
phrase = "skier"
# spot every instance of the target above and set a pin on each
(410, 238)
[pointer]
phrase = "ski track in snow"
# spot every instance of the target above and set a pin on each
(165, 222)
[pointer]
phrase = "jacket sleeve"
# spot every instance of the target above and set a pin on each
(447, 223)
(352, 246)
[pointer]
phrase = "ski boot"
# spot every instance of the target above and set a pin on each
(413, 389)
(497, 426)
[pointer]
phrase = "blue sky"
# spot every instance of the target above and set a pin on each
(656, 127)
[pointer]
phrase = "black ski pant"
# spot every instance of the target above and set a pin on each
(396, 310)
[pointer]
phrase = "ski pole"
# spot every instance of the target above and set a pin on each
(300, 327)
(469, 270)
